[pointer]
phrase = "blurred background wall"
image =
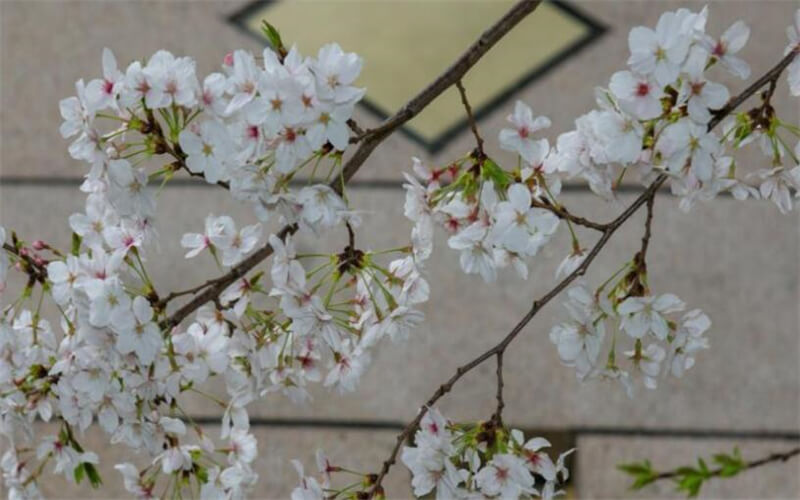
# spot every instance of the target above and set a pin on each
(738, 261)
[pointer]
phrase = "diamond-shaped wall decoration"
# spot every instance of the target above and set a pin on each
(405, 45)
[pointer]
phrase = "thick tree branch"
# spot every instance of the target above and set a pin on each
(607, 231)
(369, 141)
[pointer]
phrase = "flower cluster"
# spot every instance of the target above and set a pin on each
(489, 212)
(593, 340)
(483, 460)
(326, 319)
(110, 358)
(653, 119)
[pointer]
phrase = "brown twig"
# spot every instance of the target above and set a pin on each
(356, 130)
(182, 165)
(607, 231)
(370, 140)
(648, 223)
(770, 76)
(498, 414)
(563, 213)
(772, 457)
(174, 295)
(639, 273)
(472, 124)
(211, 293)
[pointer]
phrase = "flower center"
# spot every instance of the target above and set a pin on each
(501, 474)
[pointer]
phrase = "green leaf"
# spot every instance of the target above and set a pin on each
(201, 473)
(642, 471)
(94, 475)
(79, 473)
(635, 468)
(687, 471)
(273, 36)
(492, 171)
(691, 485)
(703, 468)
(76, 244)
(730, 465)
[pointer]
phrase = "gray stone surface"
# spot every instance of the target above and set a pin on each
(736, 260)
(598, 456)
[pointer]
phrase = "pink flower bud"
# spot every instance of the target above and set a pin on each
(23, 252)
(39, 245)
(228, 59)
(39, 261)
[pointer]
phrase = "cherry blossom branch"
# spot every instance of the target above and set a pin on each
(152, 126)
(558, 210)
(189, 291)
(501, 346)
(564, 214)
(607, 231)
(370, 140)
(647, 227)
(770, 77)
(498, 414)
(218, 285)
(639, 272)
(472, 125)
